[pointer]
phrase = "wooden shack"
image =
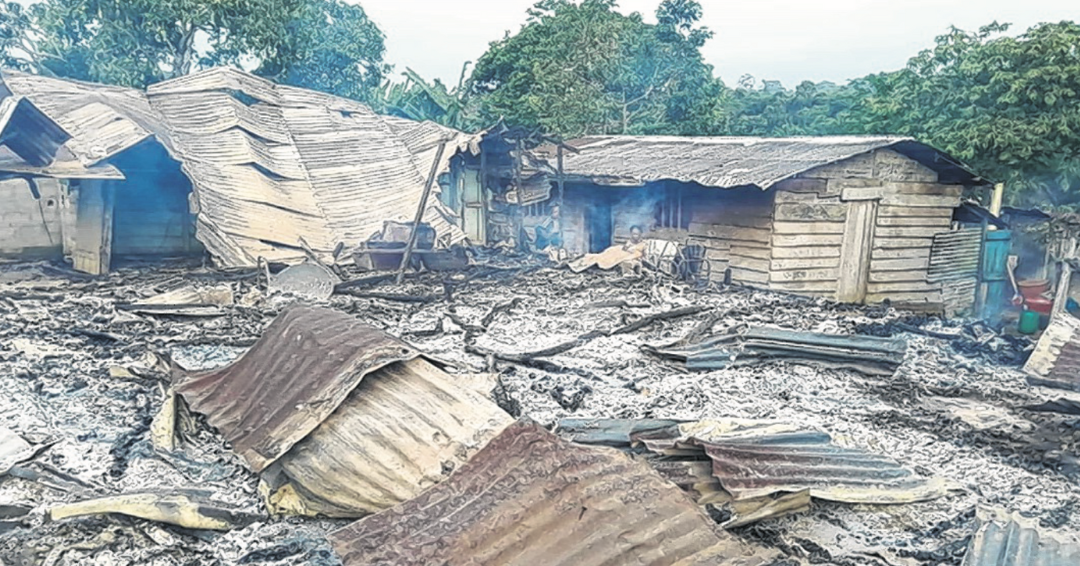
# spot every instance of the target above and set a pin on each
(848, 218)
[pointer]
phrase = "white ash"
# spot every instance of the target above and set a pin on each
(57, 385)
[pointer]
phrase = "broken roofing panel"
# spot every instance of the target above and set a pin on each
(31, 143)
(729, 162)
(102, 120)
(1055, 362)
(756, 344)
(341, 419)
(530, 498)
(298, 373)
(1004, 539)
(28, 132)
(404, 429)
(753, 459)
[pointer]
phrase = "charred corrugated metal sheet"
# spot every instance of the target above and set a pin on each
(341, 419)
(298, 373)
(611, 432)
(1055, 362)
(1005, 539)
(32, 143)
(530, 498)
(753, 345)
(28, 132)
(728, 162)
(759, 458)
(102, 120)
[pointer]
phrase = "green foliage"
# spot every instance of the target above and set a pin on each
(1006, 105)
(811, 109)
(577, 69)
(416, 99)
(324, 44)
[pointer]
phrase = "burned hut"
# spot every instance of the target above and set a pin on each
(219, 162)
(848, 218)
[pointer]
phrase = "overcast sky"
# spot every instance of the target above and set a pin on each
(786, 40)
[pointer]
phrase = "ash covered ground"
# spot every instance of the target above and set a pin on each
(74, 372)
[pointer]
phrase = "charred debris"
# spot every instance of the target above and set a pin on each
(609, 350)
(177, 414)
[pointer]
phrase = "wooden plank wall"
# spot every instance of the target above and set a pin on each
(811, 212)
(735, 225)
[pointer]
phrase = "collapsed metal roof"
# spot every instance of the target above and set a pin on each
(33, 144)
(529, 497)
(269, 164)
(729, 162)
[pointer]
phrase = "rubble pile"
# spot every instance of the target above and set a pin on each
(85, 366)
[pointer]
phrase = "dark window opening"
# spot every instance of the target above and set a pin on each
(671, 211)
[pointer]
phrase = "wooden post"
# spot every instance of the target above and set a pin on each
(420, 213)
(562, 189)
(996, 201)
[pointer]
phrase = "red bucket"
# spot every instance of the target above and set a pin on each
(1040, 305)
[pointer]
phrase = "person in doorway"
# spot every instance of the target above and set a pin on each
(636, 241)
(549, 232)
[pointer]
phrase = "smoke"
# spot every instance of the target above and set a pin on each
(641, 208)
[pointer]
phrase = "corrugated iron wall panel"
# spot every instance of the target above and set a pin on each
(955, 255)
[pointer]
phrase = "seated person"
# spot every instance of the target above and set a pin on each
(629, 253)
(549, 232)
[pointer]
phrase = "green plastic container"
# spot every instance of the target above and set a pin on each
(1029, 322)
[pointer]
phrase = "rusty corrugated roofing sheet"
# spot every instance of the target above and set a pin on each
(727, 162)
(530, 498)
(758, 344)
(404, 429)
(757, 458)
(298, 373)
(1055, 362)
(1004, 539)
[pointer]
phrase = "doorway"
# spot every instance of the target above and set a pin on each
(600, 225)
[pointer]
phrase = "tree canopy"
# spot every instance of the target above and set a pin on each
(1004, 104)
(323, 44)
(585, 68)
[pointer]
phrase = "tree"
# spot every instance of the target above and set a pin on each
(1006, 105)
(416, 99)
(811, 109)
(585, 68)
(325, 44)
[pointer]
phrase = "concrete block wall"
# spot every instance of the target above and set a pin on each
(29, 225)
